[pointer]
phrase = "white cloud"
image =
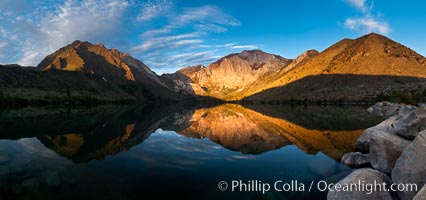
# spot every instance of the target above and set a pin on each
(244, 47)
(30, 57)
(31, 30)
(367, 25)
(180, 50)
(227, 45)
(19, 6)
(88, 20)
(180, 60)
(153, 32)
(154, 9)
(205, 18)
(181, 43)
(210, 28)
(369, 22)
(166, 42)
(50, 28)
(207, 13)
(2, 49)
(218, 45)
(361, 5)
(190, 56)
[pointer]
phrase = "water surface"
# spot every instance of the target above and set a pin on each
(127, 152)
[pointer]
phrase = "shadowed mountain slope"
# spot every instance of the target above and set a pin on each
(238, 76)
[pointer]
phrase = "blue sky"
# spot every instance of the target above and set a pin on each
(171, 34)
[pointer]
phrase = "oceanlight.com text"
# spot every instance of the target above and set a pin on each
(296, 186)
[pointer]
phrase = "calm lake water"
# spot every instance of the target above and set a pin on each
(128, 152)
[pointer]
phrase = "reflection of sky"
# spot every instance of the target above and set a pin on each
(166, 150)
(27, 157)
(167, 158)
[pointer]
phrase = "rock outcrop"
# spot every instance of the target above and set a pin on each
(411, 166)
(421, 195)
(410, 124)
(385, 149)
(368, 176)
(363, 142)
(387, 109)
(392, 112)
(392, 151)
(356, 159)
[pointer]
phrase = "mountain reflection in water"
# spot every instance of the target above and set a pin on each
(90, 135)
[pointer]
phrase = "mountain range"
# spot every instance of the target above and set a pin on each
(369, 68)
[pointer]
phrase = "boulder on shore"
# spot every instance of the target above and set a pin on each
(385, 149)
(387, 109)
(362, 144)
(421, 195)
(356, 160)
(410, 168)
(410, 124)
(360, 176)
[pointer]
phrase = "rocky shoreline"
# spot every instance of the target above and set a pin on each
(392, 152)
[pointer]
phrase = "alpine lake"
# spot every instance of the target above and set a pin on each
(225, 151)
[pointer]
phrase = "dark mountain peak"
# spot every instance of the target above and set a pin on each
(96, 59)
(368, 42)
(379, 47)
(309, 53)
(110, 66)
(78, 44)
(374, 39)
(367, 37)
(306, 55)
(257, 56)
(373, 35)
(191, 69)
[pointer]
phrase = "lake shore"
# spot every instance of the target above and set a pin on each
(390, 154)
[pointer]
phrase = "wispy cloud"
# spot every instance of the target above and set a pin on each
(190, 46)
(51, 28)
(207, 15)
(2, 49)
(210, 28)
(369, 21)
(244, 47)
(156, 43)
(169, 36)
(153, 9)
(194, 57)
(181, 43)
(218, 45)
(205, 18)
(176, 61)
(17, 6)
(361, 5)
(367, 24)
